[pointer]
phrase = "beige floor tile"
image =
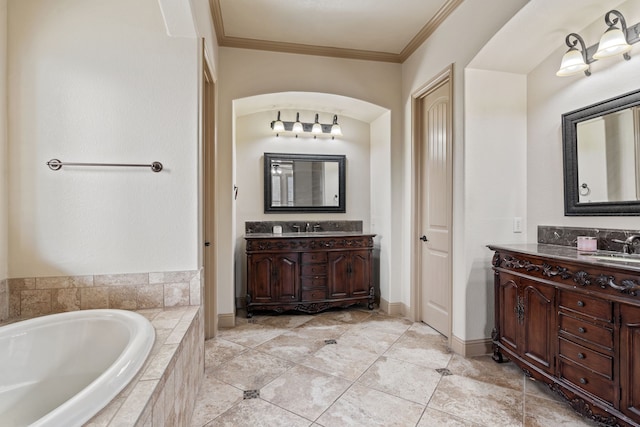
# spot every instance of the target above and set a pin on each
(345, 360)
(251, 370)
(347, 316)
(485, 369)
(433, 418)
(214, 398)
(478, 402)
(541, 412)
(250, 334)
(427, 350)
(362, 406)
(218, 351)
(257, 412)
(304, 391)
(541, 390)
(296, 344)
(402, 379)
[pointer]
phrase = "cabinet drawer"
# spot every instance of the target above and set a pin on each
(314, 295)
(597, 362)
(594, 307)
(588, 381)
(314, 282)
(586, 331)
(314, 257)
(314, 269)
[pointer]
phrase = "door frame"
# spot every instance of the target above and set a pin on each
(207, 130)
(443, 77)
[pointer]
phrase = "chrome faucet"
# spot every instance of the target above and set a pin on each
(629, 245)
(307, 228)
(296, 227)
(316, 227)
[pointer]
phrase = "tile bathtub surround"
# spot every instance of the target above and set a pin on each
(37, 296)
(4, 300)
(567, 236)
(164, 391)
(287, 226)
(381, 371)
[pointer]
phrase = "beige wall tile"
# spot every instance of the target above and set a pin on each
(150, 296)
(35, 302)
(4, 300)
(81, 281)
(21, 284)
(121, 279)
(176, 294)
(94, 298)
(53, 282)
(172, 276)
(65, 300)
(14, 303)
(123, 297)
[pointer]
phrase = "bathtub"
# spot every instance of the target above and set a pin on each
(62, 369)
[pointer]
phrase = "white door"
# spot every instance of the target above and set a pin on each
(435, 208)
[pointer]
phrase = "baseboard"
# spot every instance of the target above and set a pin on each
(227, 320)
(393, 308)
(471, 348)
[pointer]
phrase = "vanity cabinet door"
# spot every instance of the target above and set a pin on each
(630, 360)
(360, 273)
(527, 319)
(349, 273)
(273, 277)
(539, 327)
(338, 274)
(509, 311)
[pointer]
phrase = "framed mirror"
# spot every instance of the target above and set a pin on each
(304, 183)
(601, 148)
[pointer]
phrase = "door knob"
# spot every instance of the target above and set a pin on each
(424, 238)
(207, 243)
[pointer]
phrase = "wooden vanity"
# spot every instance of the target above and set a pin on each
(573, 322)
(308, 272)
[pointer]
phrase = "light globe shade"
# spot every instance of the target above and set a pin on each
(613, 42)
(572, 63)
(278, 126)
(317, 128)
(336, 130)
(297, 126)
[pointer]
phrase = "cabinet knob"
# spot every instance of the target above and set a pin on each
(582, 330)
(583, 381)
(581, 356)
(580, 304)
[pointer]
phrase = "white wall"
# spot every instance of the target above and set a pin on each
(95, 81)
(548, 98)
(246, 73)
(495, 175)
(456, 42)
(254, 137)
(4, 148)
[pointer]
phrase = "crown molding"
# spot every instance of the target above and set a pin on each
(335, 52)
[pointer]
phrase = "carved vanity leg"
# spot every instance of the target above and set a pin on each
(497, 355)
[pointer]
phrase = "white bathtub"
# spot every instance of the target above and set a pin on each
(60, 370)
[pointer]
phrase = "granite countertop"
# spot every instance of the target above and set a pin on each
(307, 234)
(569, 253)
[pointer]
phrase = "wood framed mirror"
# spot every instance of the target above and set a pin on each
(304, 183)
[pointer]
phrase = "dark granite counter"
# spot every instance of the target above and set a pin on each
(568, 253)
(303, 235)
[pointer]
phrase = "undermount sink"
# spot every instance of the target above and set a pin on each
(614, 257)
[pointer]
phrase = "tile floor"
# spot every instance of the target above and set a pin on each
(356, 367)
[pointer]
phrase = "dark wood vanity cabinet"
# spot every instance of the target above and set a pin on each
(308, 273)
(574, 325)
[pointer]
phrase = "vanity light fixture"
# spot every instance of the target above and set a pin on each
(615, 41)
(316, 128)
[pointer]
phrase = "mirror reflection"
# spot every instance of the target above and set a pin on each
(609, 157)
(303, 183)
(601, 152)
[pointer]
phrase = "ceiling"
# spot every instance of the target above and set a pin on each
(379, 30)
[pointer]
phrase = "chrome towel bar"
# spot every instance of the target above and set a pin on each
(55, 164)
